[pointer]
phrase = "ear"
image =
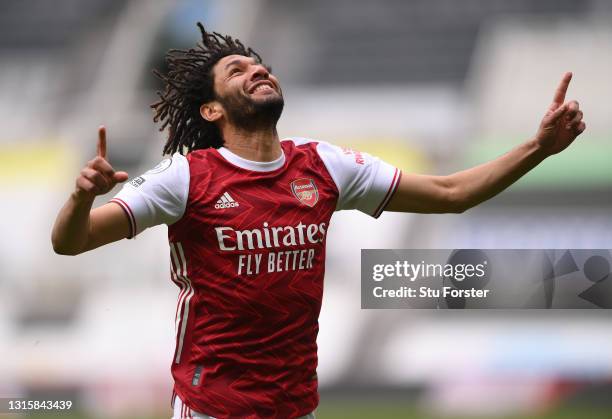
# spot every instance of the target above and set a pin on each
(211, 111)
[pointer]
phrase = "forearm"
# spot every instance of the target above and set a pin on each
(472, 186)
(71, 229)
(460, 191)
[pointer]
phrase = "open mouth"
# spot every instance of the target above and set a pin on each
(262, 87)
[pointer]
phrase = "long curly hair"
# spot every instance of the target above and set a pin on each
(189, 83)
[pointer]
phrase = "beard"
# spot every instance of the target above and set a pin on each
(248, 114)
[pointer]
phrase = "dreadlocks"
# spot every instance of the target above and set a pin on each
(189, 83)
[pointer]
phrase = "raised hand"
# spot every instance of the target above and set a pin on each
(562, 122)
(98, 177)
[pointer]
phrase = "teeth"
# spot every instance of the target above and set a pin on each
(262, 87)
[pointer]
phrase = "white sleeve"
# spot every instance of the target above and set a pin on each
(364, 182)
(158, 196)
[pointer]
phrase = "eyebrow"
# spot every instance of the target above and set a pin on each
(235, 62)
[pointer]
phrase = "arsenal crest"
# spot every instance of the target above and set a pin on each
(305, 191)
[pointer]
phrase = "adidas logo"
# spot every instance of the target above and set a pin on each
(226, 201)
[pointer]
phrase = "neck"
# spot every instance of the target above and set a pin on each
(261, 145)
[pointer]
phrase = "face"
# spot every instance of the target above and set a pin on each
(250, 95)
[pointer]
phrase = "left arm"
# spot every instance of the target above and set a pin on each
(460, 191)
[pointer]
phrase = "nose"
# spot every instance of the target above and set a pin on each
(259, 72)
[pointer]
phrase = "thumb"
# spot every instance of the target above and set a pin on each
(120, 176)
(554, 117)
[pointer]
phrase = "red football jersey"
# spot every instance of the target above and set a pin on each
(247, 247)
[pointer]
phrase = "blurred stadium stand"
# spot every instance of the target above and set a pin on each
(432, 86)
(394, 41)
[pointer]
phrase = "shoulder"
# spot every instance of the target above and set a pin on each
(333, 156)
(171, 168)
(173, 162)
(299, 145)
(318, 146)
(158, 196)
(204, 154)
(300, 141)
(203, 162)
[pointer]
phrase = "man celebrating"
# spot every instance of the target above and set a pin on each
(247, 218)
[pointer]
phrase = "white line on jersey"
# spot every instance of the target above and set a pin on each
(226, 201)
(179, 270)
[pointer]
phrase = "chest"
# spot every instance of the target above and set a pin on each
(256, 201)
(254, 232)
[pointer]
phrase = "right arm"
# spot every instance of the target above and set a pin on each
(78, 228)
(460, 191)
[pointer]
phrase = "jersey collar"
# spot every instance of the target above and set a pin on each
(257, 166)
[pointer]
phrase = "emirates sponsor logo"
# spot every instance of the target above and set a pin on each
(305, 190)
(226, 201)
(270, 236)
(281, 248)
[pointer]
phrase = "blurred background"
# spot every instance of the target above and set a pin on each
(432, 86)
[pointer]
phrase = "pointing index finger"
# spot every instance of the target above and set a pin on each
(559, 97)
(102, 141)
